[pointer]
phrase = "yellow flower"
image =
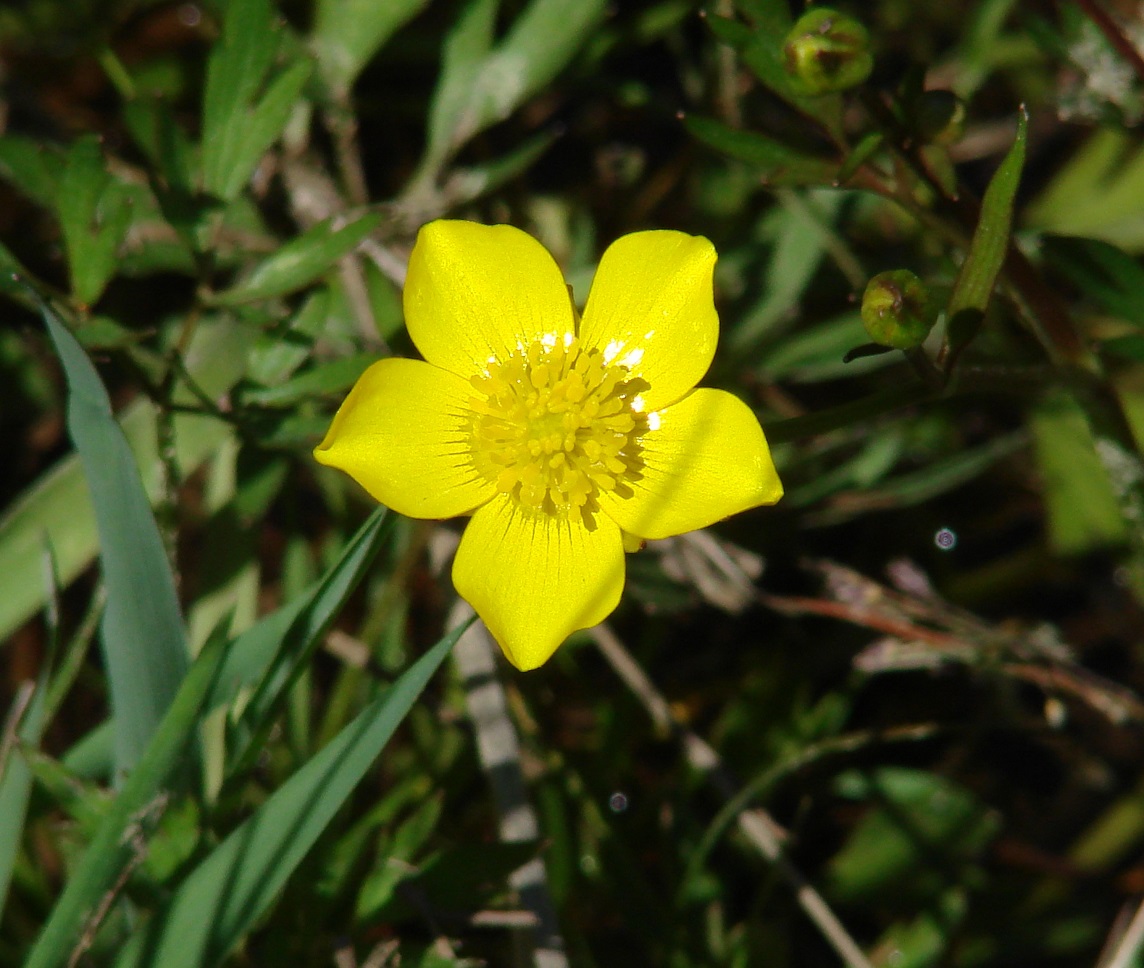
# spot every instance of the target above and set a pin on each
(564, 438)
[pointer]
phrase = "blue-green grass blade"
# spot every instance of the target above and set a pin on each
(222, 898)
(57, 506)
(111, 848)
(144, 641)
(293, 648)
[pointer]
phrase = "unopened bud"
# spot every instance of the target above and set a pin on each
(896, 309)
(827, 51)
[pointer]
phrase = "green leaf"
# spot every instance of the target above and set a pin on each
(278, 353)
(1104, 273)
(920, 828)
(991, 237)
(302, 260)
(798, 234)
(278, 652)
(1079, 500)
(222, 898)
(127, 818)
(322, 380)
(1098, 193)
(760, 47)
(94, 214)
(481, 85)
(16, 784)
(818, 352)
(347, 34)
(58, 505)
(777, 163)
(144, 641)
(245, 108)
(32, 168)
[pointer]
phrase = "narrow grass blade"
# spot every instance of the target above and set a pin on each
(143, 637)
(111, 847)
(224, 896)
(57, 506)
(294, 647)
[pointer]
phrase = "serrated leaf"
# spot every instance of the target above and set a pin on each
(302, 260)
(144, 642)
(225, 895)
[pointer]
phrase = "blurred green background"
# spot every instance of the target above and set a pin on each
(893, 721)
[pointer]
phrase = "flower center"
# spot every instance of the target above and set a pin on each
(554, 426)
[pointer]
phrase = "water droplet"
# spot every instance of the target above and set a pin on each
(189, 15)
(945, 539)
(618, 802)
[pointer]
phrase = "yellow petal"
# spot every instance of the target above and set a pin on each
(652, 308)
(403, 435)
(535, 579)
(480, 292)
(707, 459)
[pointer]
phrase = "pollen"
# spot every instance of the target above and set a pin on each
(554, 426)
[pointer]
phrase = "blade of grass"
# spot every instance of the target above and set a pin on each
(144, 641)
(111, 847)
(222, 898)
(58, 505)
(293, 648)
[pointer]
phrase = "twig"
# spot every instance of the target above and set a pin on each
(727, 67)
(755, 824)
(499, 751)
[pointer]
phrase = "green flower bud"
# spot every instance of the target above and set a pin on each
(827, 51)
(938, 117)
(896, 309)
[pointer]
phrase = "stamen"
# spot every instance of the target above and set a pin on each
(553, 425)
